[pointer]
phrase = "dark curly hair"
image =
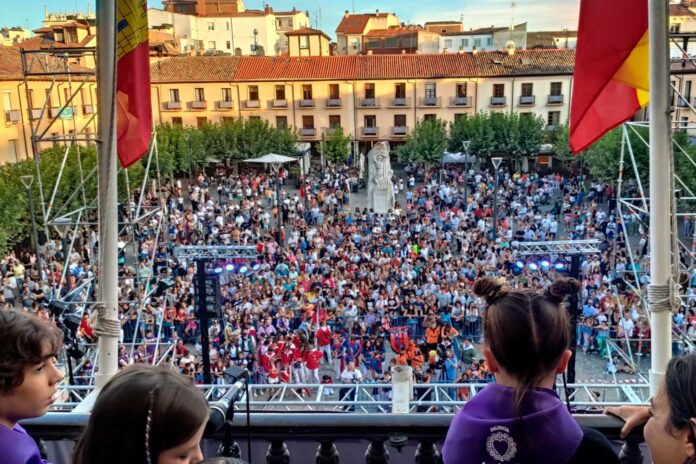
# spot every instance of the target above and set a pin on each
(26, 340)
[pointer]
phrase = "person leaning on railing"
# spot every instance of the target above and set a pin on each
(670, 421)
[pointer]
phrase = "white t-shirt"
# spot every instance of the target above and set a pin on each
(351, 377)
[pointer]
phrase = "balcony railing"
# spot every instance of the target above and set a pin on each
(369, 102)
(400, 131)
(54, 111)
(430, 101)
(172, 105)
(279, 103)
(87, 109)
(318, 434)
(460, 101)
(400, 102)
(369, 131)
(12, 116)
(250, 104)
(198, 105)
(498, 101)
(333, 102)
(308, 132)
(527, 100)
(307, 103)
(225, 104)
(35, 113)
(555, 100)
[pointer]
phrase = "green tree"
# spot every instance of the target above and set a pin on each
(427, 143)
(336, 146)
(529, 134)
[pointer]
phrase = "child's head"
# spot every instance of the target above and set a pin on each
(159, 415)
(527, 333)
(28, 375)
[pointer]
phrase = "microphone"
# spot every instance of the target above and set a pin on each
(219, 409)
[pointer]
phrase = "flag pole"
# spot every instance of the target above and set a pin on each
(659, 300)
(107, 324)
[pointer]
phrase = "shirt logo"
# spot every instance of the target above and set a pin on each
(500, 445)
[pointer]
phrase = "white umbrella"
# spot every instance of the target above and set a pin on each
(271, 158)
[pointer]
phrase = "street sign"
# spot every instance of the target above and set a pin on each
(67, 113)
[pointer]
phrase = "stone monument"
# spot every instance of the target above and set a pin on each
(380, 190)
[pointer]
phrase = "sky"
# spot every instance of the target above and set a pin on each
(540, 14)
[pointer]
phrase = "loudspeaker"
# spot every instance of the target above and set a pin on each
(56, 307)
(162, 286)
(234, 373)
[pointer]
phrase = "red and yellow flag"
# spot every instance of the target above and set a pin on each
(611, 78)
(133, 108)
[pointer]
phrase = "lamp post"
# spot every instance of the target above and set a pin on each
(496, 164)
(465, 146)
(62, 226)
(27, 181)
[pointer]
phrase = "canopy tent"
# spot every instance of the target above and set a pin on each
(457, 158)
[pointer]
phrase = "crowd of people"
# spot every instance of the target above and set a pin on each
(338, 288)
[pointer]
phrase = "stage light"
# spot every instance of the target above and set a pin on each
(243, 270)
(519, 264)
(545, 264)
(218, 269)
(533, 266)
(559, 266)
(229, 267)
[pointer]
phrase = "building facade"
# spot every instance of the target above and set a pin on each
(404, 39)
(350, 33)
(484, 39)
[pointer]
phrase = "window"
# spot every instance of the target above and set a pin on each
(554, 118)
(672, 93)
(280, 92)
(306, 91)
(290, 22)
(674, 28)
(556, 88)
(400, 90)
(228, 44)
(461, 90)
(6, 103)
(174, 95)
(334, 121)
(489, 41)
(308, 122)
(30, 99)
(373, 43)
(198, 94)
(282, 122)
(498, 90)
(228, 25)
(211, 45)
(399, 120)
(227, 119)
(370, 120)
(391, 42)
(448, 43)
(201, 121)
(255, 118)
(355, 44)
(66, 95)
(199, 44)
(226, 95)
(177, 121)
(477, 43)
(333, 92)
(12, 151)
(458, 116)
(527, 89)
(50, 105)
(687, 91)
(429, 117)
(465, 43)
(253, 92)
(430, 90)
(304, 41)
(211, 26)
(684, 122)
(370, 90)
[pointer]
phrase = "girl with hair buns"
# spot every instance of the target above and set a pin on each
(520, 418)
(145, 415)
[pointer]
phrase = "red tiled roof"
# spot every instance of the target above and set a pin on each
(11, 66)
(36, 43)
(307, 31)
(679, 9)
(42, 30)
(395, 32)
(355, 23)
(362, 67)
(454, 23)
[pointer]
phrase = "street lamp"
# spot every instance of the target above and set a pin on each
(27, 181)
(465, 146)
(496, 164)
(62, 226)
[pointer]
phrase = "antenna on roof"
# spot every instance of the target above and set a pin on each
(317, 18)
(513, 4)
(353, 6)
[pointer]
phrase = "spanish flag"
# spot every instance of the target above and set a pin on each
(611, 78)
(133, 110)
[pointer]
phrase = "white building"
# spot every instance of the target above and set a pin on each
(483, 39)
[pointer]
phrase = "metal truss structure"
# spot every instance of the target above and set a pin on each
(560, 247)
(375, 397)
(214, 252)
(53, 121)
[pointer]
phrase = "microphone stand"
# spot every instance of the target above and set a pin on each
(229, 447)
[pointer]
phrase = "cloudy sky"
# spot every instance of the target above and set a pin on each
(540, 14)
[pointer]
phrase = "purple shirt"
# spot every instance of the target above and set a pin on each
(17, 447)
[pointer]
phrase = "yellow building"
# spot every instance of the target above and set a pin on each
(308, 42)
(372, 97)
(351, 31)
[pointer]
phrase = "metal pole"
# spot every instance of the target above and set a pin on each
(34, 233)
(573, 311)
(279, 221)
(203, 319)
(660, 148)
(108, 187)
(495, 207)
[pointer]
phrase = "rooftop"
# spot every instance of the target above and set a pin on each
(355, 23)
(487, 30)
(679, 9)
(308, 31)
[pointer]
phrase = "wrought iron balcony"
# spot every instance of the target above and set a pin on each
(400, 102)
(54, 112)
(554, 100)
(172, 105)
(333, 102)
(430, 101)
(279, 103)
(35, 113)
(198, 105)
(307, 103)
(498, 101)
(369, 102)
(460, 101)
(400, 131)
(369, 131)
(225, 104)
(87, 109)
(12, 116)
(308, 132)
(527, 100)
(370, 438)
(252, 104)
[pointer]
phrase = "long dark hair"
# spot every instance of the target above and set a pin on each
(680, 387)
(526, 331)
(116, 432)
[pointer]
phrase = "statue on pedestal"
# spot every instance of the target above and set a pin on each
(380, 190)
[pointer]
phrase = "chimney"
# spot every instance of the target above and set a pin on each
(345, 13)
(200, 7)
